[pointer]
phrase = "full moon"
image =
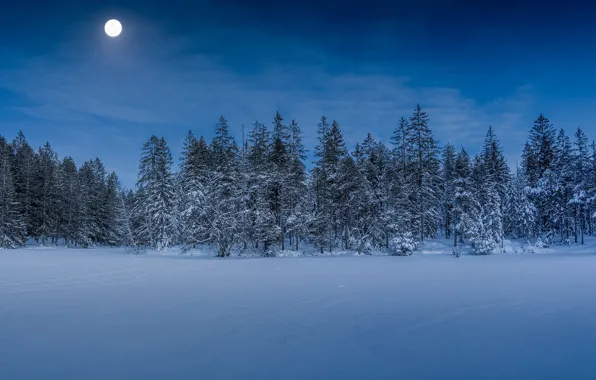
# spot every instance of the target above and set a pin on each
(113, 28)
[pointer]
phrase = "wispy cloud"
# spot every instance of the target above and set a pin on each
(162, 87)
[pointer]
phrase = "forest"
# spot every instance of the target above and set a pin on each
(259, 195)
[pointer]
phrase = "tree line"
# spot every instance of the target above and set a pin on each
(259, 195)
(54, 201)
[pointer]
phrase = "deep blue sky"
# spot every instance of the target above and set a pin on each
(179, 64)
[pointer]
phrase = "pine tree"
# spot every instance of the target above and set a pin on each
(13, 230)
(329, 203)
(112, 211)
(155, 201)
(580, 191)
(124, 220)
(280, 164)
(223, 153)
(495, 167)
(464, 202)
(560, 189)
(191, 180)
(448, 179)
(70, 195)
(263, 229)
(296, 185)
(402, 187)
(375, 166)
(539, 152)
(45, 214)
(519, 212)
(357, 225)
(223, 193)
(24, 169)
(591, 190)
(537, 162)
(87, 205)
(93, 218)
(422, 147)
(485, 229)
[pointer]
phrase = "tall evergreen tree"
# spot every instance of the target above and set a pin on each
(296, 185)
(519, 212)
(539, 153)
(464, 202)
(448, 178)
(494, 164)
(280, 165)
(155, 201)
(45, 214)
(70, 197)
(263, 228)
(326, 223)
(580, 197)
(402, 187)
(24, 169)
(538, 160)
(223, 192)
(191, 180)
(422, 148)
(13, 230)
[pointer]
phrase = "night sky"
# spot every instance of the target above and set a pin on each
(179, 65)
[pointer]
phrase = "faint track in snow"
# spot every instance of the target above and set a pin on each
(109, 281)
(89, 280)
(447, 316)
(16, 283)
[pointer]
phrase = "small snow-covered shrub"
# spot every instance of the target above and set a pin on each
(269, 252)
(362, 245)
(484, 246)
(541, 243)
(457, 251)
(403, 244)
(136, 250)
(185, 248)
(527, 247)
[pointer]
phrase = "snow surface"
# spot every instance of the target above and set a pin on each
(106, 314)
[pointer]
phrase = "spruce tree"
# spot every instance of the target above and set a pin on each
(70, 196)
(24, 167)
(264, 230)
(223, 192)
(422, 148)
(190, 188)
(45, 214)
(155, 201)
(537, 162)
(13, 230)
(464, 202)
(402, 184)
(448, 179)
(519, 212)
(280, 165)
(112, 204)
(296, 185)
(580, 195)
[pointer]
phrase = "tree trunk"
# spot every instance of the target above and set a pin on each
(582, 230)
(283, 241)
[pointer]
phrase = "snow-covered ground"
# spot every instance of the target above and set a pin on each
(105, 314)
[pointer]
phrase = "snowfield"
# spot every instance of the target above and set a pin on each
(106, 314)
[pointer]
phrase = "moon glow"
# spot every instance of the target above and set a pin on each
(113, 28)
